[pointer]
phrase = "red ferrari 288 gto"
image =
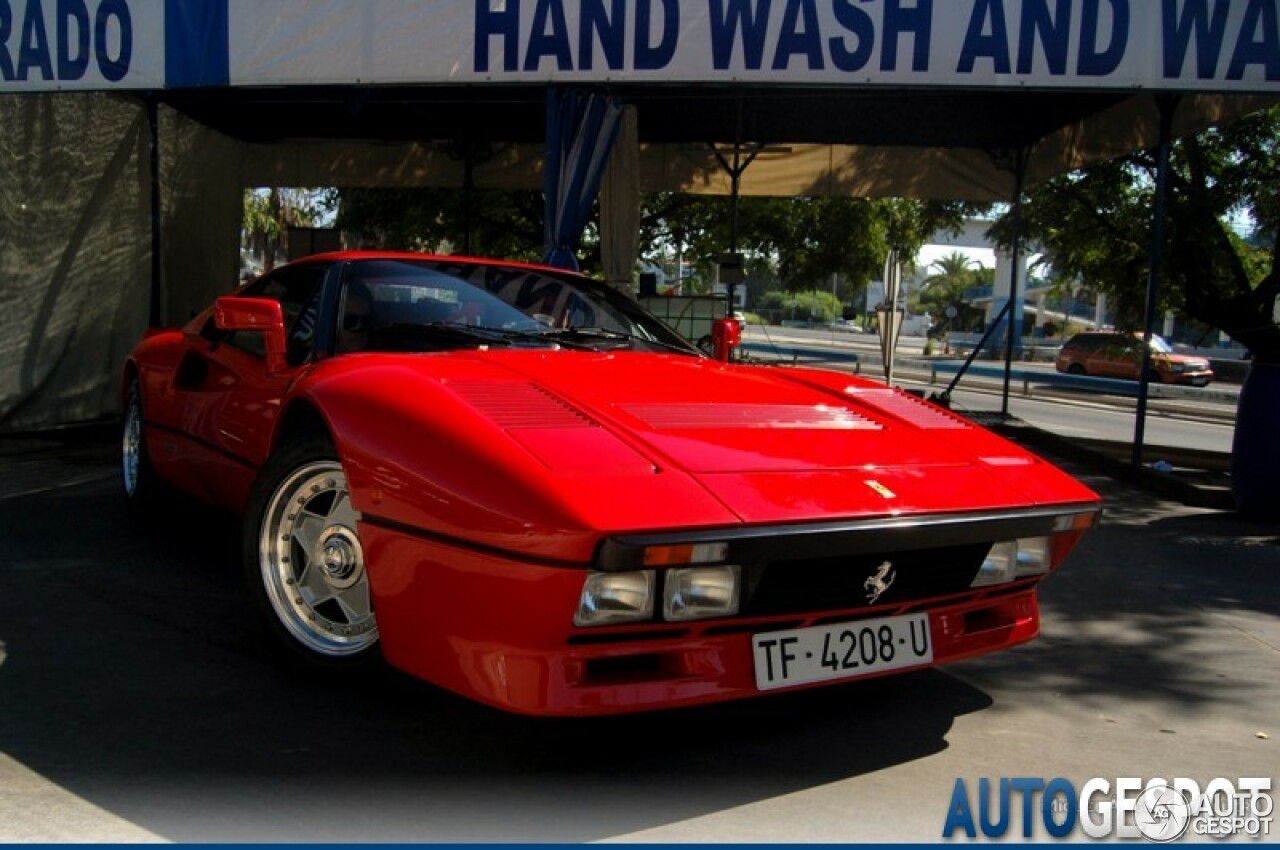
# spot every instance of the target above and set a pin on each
(515, 483)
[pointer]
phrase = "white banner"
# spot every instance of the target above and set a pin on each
(1224, 45)
(47, 45)
(1184, 45)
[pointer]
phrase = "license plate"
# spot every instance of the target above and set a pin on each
(841, 651)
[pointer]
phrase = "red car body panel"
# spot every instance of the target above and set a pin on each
(521, 655)
(489, 481)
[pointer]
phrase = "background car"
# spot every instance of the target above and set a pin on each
(1108, 354)
(511, 481)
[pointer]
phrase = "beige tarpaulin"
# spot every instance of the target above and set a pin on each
(819, 170)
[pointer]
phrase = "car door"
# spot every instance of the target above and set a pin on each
(229, 399)
(1113, 359)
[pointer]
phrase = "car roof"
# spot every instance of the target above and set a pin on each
(346, 256)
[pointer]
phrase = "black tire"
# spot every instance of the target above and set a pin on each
(303, 562)
(1077, 369)
(146, 495)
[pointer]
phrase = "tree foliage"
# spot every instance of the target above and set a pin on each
(801, 240)
(953, 274)
(1096, 226)
(811, 305)
(499, 224)
(269, 213)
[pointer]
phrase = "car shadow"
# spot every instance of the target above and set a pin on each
(1139, 615)
(134, 677)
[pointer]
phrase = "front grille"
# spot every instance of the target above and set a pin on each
(842, 582)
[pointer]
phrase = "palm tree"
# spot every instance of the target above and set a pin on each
(955, 273)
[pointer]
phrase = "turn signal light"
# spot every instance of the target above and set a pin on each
(685, 553)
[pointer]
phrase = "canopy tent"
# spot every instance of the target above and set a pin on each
(890, 97)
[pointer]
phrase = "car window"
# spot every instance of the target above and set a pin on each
(1082, 343)
(420, 305)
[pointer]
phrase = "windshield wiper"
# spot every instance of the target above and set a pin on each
(578, 338)
(589, 332)
(478, 333)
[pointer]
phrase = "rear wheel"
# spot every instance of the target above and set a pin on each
(304, 561)
(1077, 369)
(142, 487)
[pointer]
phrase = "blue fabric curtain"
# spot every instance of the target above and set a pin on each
(580, 131)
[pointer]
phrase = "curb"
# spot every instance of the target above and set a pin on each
(1099, 456)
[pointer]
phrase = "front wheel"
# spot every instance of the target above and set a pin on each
(304, 561)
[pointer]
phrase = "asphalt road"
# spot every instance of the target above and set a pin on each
(1102, 421)
(137, 703)
(1194, 419)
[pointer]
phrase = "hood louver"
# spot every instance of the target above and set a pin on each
(517, 404)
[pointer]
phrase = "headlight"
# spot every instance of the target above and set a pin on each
(1014, 559)
(609, 598)
(998, 566)
(696, 593)
(1034, 554)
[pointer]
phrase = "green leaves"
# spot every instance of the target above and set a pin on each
(1095, 225)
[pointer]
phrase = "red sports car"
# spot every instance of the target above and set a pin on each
(513, 482)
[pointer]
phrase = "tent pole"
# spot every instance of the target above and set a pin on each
(468, 181)
(1167, 104)
(1019, 176)
(156, 310)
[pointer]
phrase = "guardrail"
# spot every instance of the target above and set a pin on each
(1029, 349)
(1111, 386)
(800, 353)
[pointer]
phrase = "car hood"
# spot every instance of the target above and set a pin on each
(776, 443)
(543, 451)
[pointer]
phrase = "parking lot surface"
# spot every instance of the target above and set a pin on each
(138, 703)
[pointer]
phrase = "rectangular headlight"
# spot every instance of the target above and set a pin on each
(999, 566)
(700, 592)
(1034, 554)
(1014, 559)
(609, 598)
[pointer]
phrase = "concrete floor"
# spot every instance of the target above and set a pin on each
(137, 703)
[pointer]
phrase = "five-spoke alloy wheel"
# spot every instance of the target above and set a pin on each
(305, 560)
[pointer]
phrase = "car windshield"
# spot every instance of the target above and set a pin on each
(432, 305)
(1159, 346)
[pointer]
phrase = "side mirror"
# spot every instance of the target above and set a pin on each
(726, 335)
(260, 315)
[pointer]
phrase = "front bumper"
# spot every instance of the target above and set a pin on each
(499, 631)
